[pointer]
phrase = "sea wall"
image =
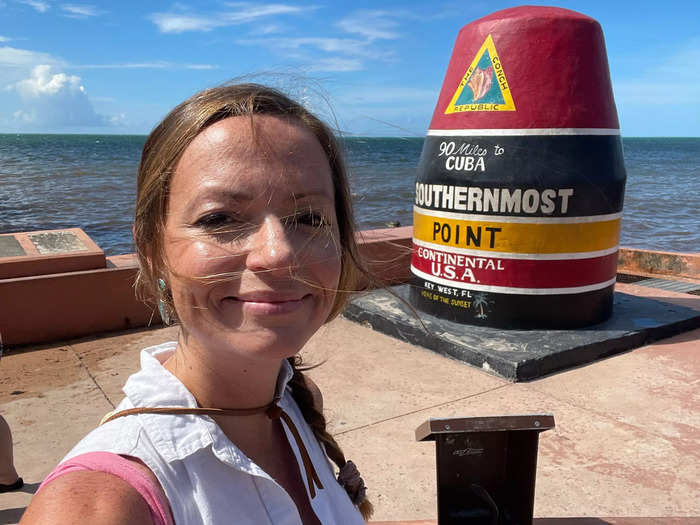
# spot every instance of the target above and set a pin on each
(61, 303)
(49, 297)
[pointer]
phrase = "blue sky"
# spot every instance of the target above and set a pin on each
(118, 67)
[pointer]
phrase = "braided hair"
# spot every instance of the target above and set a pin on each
(316, 420)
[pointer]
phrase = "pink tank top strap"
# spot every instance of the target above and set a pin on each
(114, 464)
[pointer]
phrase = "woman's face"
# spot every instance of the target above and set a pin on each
(251, 239)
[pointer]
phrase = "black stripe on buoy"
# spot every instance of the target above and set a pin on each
(588, 169)
(512, 310)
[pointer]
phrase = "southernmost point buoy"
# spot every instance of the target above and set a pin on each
(521, 180)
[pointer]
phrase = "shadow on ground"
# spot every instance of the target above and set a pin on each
(11, 515)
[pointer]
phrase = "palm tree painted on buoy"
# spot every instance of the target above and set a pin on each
(480, 301)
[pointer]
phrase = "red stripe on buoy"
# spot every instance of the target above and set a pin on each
(514, 273)
(528, 67)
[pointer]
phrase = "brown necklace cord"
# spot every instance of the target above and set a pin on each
(272, 410)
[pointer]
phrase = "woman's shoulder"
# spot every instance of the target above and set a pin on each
(88, 497)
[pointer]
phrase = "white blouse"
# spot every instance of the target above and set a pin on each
(206, 478)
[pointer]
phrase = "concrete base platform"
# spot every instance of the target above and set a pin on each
(521, 355)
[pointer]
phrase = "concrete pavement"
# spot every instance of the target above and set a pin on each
(626, 441)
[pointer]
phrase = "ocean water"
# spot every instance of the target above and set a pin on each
(89, 181)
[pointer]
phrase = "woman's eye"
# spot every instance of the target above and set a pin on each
(214, 221)
(311, 218)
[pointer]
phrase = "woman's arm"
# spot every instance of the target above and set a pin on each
(93, 498)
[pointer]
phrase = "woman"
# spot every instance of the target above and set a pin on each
(245, 238)
(9, 479)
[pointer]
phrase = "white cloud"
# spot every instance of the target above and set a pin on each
(336, 64)
(330, 45)
(268, 29)
(248, 12)
(198, 66)
(14, 57)
(42, 82)
(364, 29)
(80, 11)
(117, 119)
(53, 100)
(4, 39)
(41, 93)
(16, 64)
(346, 52)
(42, 7)
(241, 14)
(24, 117)
(168, 23)
(160, 64)
(373, 25)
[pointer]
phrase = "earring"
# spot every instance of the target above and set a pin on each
(162, 308)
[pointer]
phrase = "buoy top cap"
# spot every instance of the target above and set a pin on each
(534, 11)
(528, 67)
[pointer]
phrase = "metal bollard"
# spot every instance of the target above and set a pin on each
(486, 467)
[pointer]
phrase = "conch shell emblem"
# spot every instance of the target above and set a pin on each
(480, 82)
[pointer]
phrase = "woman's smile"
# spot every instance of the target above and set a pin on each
(266, 303)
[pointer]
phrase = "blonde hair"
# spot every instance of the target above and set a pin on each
(161, 153)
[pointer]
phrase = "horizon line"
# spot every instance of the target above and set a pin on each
(342, 135)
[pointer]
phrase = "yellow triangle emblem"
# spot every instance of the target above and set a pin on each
(488, 89)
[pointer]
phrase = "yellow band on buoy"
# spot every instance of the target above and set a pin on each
(517, 237)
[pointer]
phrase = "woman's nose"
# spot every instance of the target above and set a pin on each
(271, 247)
